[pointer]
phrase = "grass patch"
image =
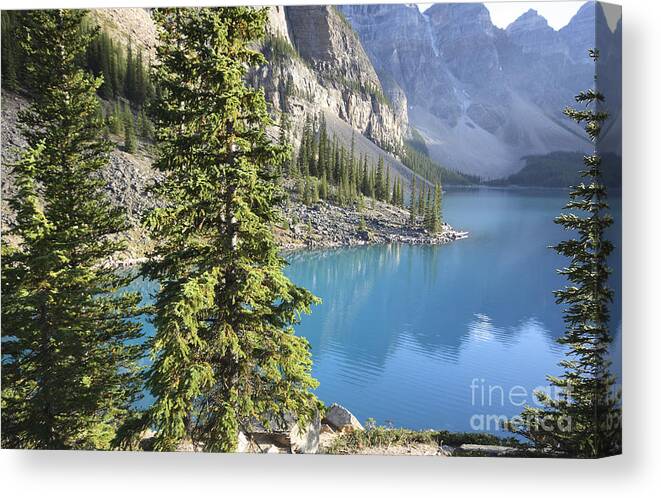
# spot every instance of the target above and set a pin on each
(378, 436)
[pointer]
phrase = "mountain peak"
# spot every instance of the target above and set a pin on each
(529, 21)
(587, 11)
(530, 13)
(458, 12)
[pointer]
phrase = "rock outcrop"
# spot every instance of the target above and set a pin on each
(128, 24)
(316, 63)
(282, 437)
(340, 419)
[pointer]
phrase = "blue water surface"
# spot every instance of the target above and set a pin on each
(405, 331)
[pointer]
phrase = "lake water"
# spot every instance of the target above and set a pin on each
(449, 337)
(404, 331)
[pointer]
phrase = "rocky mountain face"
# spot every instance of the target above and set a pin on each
(127, 24)
(484, 97)
(317, 64)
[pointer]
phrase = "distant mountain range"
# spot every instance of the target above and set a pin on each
(484, 98)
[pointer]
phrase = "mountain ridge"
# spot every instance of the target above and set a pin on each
(483, 97)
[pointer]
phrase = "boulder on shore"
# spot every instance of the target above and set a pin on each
(282, 436)
(341, 419)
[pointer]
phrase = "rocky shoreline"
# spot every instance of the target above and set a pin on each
(326, 225)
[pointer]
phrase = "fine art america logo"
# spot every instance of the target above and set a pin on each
(491, 400)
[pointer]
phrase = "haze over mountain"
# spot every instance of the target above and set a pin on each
(485, 97)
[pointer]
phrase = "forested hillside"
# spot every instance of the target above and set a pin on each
(335, 157)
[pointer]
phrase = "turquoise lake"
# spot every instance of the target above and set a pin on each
(447, 337)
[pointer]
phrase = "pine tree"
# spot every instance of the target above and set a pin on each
(388, 193)
(421, 201)
(412, 205)
(314, 190)
(307, 191)
(303, 166)
(129, 79)
(322, 158)
(284, 128)
(323, 187)
(433, 210)
(584, 420)
(362, 226)
(130, 139)
(391, 194)
(373, 189)
(352, 157)
(365, 175)
(107, 89)
(380, 180)
(116, 120)
(10, 51)
(398, 192)
(69, 375)
(144, 125)
(225, 353)
(141, 83)
(428, 210)
(438, 205)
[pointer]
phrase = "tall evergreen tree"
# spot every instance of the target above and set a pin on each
(145, 126)
(380, 180)
(433, 211)
(130, 138)
(307, 191)
(224, 352)
(584, 419)
(412, 205)
(388, 191)
(69, 375)
(438, 205)
(322, 159)
(323, 187)
(365, 178)
(421, 201)
(141, 82)
(129, 78)
(102, 59)
(10, 50)
(116, 119)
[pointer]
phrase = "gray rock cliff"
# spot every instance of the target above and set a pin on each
(324, 68)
